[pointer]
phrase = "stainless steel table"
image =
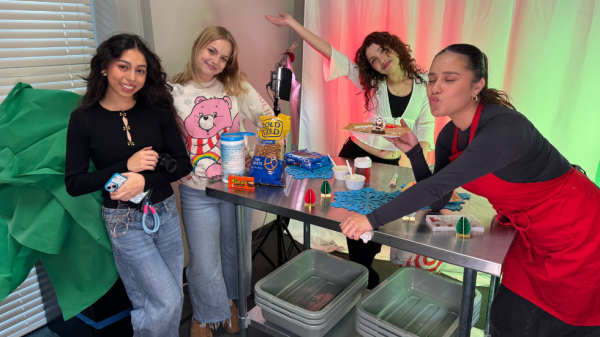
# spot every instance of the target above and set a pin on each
(482, 252)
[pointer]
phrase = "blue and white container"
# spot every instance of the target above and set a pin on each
(233, 154)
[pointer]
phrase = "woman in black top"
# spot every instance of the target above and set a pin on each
(550, 274)
(126, 120)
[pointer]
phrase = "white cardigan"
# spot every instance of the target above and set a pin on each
(417, 114)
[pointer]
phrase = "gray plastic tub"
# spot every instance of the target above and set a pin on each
(363, 325)
(306, 330)
(349, 301)
(413, 302)
(365, 331)
(311, 285)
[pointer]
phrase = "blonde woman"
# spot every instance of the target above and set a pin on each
(212, 97)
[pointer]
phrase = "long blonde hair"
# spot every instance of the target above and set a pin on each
(231, 76)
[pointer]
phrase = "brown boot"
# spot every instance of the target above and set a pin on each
(198, 331)
(233, 326)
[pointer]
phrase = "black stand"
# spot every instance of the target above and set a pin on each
(280, 224)
(283, 251)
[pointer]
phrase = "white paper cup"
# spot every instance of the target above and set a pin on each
(340, 172)
(355, 182)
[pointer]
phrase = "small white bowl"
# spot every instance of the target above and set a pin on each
(355, 182)
(340, 172)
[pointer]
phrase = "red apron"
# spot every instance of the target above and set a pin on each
(554, 261)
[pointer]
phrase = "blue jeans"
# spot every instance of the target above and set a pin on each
(151, 267)
(212, 272)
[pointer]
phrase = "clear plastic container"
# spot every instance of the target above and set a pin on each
(362, 166)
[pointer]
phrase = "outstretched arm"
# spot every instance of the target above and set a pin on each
(312, 39)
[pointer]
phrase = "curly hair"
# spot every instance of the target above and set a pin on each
(155, 91)
(369, 77)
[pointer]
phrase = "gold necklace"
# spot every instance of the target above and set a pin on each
(397, 91)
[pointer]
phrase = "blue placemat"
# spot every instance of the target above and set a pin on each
(363, 201)
(455, 205)
(325, 172)
(366, 200)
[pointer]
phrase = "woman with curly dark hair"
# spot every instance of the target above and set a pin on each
(394, 87)
(125, 120)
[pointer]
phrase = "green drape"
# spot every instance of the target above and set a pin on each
(38, 218)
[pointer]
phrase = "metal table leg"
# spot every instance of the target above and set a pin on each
(494, 284)
(306, 236)
(465, 317)
(241, 252)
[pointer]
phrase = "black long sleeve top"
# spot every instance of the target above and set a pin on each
(505, 143)
(98, 134)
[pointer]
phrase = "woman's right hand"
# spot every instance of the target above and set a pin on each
(285, 19)
(406, 142)
(313, 40)
(144, 159)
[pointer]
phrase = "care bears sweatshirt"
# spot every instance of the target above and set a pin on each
(206, 112)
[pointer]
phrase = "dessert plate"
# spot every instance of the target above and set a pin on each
(391, 130)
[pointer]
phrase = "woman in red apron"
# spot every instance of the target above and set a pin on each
(551, 275)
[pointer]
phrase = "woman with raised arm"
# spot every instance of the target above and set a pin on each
(393, 86)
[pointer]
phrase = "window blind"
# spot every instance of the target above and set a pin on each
(22, 311)
(45, 43)
(48, 44)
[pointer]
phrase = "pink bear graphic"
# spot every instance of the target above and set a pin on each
(210, 118)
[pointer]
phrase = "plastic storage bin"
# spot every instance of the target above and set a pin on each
(349, 302)
(413, 302)
(310, 293)
(308, 330)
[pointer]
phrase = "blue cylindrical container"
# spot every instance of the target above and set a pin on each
(233, 154)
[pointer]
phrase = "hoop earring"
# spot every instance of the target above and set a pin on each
(103, 73)
(474, 98)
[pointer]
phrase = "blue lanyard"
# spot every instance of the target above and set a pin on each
(156, 218)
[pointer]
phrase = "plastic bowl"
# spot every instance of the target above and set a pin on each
(340, 172)
(355, 182)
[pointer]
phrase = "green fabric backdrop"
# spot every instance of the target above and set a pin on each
(38, 218)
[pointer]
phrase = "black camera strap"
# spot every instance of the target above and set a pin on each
(140, 206)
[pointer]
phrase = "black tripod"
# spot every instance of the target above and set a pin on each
(281, 223)
(283, 250)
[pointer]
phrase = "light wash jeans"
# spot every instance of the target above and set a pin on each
(212, 272)
(151, 267)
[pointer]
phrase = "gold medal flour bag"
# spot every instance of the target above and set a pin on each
(267, 164)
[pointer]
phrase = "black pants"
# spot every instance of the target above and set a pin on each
(360, 252)
(514, 316)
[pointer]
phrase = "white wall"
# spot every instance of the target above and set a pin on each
(177, 23)
(117, 16)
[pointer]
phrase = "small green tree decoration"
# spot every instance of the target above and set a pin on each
(463, 227)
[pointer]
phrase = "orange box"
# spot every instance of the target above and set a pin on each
(245, 183)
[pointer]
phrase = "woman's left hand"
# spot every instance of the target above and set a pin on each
(355, 226)
(133, 186)
(248, 160)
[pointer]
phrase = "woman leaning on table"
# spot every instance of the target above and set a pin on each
(393, 87)
(551, 284)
